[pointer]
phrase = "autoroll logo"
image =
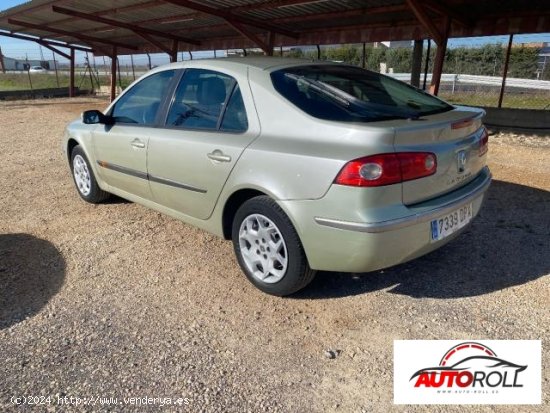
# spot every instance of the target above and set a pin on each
(468, 372)
(469, 365)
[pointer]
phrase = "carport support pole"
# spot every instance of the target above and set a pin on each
(505, 71)
(2, 61)
(364, 56)
(30, 82)
(440, 58)
(270, 42)
(71, 75)
(118, 71)
(318, 52)
(55, 67)
(174, 54)
(426, 67)
(113, 73)
(438, 68)
(133, 68)
(417, 62)
(90, 72)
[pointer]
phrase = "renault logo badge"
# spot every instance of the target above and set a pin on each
(461, 161)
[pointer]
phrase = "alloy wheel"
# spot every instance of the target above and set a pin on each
(263, 248)
(82, 175)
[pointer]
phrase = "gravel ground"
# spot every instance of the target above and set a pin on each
(117, 300)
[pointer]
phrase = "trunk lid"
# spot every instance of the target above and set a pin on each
(454, 137)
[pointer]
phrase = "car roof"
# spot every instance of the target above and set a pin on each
(242, 63)
(266, 63)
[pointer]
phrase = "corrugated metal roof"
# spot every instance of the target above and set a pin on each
(312, 21)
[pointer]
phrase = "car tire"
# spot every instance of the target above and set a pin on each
(84, 178)
(269, 249)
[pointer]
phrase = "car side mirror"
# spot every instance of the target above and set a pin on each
(93, 117)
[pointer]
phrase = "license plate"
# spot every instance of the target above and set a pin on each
(452, 222)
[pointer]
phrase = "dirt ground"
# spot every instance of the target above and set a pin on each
(117, 300)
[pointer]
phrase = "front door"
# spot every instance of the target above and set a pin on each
(121, 149)
(121, 154)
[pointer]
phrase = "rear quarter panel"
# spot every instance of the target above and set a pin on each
(298, 156)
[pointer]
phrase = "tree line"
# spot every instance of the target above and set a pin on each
(487, 60)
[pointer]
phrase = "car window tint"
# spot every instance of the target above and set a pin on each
(234, 119)
(140, 104)
(200, 99)
(346, 93)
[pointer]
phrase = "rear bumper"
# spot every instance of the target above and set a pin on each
(352, 246)
(413, 219)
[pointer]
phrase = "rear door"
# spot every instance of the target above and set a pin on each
(210, 122)
(121, 149)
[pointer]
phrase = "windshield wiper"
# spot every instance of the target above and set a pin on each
(332, 92)
(352, 103)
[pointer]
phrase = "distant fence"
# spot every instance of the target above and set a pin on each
(79, 71)
(479, 90)
(481, 80)
(36, 93)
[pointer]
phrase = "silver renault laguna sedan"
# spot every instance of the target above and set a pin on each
(305, 165)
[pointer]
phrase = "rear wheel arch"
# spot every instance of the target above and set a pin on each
(231, 206)
(268, 248)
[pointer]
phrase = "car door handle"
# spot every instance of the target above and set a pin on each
(136, 143)
(219, 156)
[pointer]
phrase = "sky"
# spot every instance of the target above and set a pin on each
(21, 49)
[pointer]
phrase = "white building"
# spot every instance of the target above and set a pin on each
(394, 44)
(19, 64)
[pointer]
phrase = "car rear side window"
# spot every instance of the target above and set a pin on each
(140, 104)
(234, 119)
(351, 94)
(200, 99)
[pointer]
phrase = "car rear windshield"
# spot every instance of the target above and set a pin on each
(351, 94)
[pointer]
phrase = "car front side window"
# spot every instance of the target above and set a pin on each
(200, 99)
(140, 104)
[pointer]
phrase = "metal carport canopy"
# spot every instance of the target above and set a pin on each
(136, 26)
(143, 26)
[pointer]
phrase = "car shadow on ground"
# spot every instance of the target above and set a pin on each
(32, 271)
(508, 244)
(115, 200)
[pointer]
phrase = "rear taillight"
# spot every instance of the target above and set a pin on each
(484, 142)
(387, 169)
(416, 165)
(375, 170)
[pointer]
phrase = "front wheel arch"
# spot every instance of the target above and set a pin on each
(95, 194)
(71, 144)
